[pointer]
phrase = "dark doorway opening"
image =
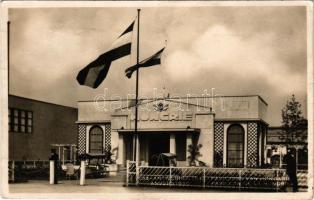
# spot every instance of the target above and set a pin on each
(158, 143)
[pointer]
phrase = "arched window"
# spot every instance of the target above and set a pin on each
(235, 146)
(96, 137)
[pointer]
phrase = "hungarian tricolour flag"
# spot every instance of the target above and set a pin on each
(94, 73)
(153, 60)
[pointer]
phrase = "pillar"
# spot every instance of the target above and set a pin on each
(188, 142)
(224, 159)
(205, 122)
(137, 148)
(121, 154)
(172, 143)
(146, 150)
(133, 147)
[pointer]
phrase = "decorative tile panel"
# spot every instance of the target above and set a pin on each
(252, 145)
(107, 137)
(218, 144)
(81, 138)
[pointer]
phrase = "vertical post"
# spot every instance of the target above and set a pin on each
(137, 172)
(204, 178)
(170, 176)
(52, 172)
(137, 77)
(83, 169)
(127, 172)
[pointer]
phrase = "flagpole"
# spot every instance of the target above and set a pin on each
(136, 156)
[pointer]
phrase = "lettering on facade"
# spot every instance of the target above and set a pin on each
(163, 116)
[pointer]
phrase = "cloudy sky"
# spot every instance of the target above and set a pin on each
(236, 50)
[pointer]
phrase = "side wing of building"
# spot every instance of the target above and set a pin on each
(35, 125)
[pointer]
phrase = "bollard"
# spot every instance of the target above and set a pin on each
(52, 172)
(83, 169)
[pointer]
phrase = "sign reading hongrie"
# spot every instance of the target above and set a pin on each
(163, 116)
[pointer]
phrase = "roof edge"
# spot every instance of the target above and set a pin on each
(40, 101)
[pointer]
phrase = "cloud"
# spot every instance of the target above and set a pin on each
(220, 50)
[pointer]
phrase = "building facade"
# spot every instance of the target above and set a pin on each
(231, 129)
(35, 125)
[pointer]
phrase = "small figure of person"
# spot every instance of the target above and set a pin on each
(55, 157)
(291, 169)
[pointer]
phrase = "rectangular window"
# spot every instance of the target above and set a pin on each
(20, 120)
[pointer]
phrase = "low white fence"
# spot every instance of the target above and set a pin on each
(232, 178)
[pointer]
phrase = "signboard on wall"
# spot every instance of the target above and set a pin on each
(163, 116)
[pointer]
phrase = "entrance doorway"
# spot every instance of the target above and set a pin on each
(158, 143)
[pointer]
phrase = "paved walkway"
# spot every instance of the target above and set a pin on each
(92, 186)
(103, 185)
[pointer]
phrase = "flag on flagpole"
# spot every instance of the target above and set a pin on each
(94, 73)
(151, 61)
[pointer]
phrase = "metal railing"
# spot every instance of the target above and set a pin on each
(205, 177)
(131, 175)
